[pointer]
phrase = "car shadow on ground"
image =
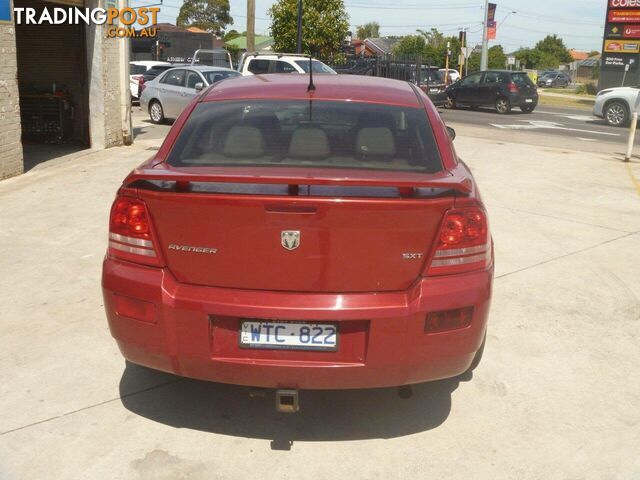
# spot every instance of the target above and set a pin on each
(324, 415)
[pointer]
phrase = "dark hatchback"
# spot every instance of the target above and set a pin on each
(432, 83)
(501, 89)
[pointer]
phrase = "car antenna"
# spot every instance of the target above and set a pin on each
(311, 87)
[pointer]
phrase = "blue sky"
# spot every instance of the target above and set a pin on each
(579, 22)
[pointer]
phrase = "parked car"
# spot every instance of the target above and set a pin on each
(290, 238)
(136, 70)
(501, 89)
(616, 104)
(554, 79)
(152, 73)
(453, 74)
(432, 83)
(167, 95)
(261, 63)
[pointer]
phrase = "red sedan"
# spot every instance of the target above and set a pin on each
(298, 236)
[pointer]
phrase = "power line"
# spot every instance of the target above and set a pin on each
(560, 34)
(552, 18)
(405, 7)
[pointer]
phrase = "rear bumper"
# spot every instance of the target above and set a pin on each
(192, 331)
(521, 100)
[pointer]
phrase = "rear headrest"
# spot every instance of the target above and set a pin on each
(309, 142)
(375, 142)
(244, 142)
(372, 119)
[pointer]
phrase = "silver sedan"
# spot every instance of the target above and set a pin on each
(168, 94)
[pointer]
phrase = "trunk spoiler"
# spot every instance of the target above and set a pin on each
(445, 181)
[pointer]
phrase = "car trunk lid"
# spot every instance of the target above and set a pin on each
(296, 231)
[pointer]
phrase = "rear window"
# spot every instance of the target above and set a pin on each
(521, 79)
(318, 67)
(431, 75)
(307, 134)
(213, 77)
(159, 68)
(136, 69)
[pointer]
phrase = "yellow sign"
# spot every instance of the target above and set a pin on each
(622, 46)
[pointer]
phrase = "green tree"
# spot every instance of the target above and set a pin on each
(549, 52)
(411, 45)
(496, 59)
(552, 46)
(209, 15)
(231, 34)
(431, 46)
(368, 30)
(433, 37)
(325, 25)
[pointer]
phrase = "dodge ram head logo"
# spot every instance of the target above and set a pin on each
(290, 239)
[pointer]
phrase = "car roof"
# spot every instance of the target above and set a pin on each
(210, 68)
(148, 62)
(202, 68)
(278, 56)
(328, 87)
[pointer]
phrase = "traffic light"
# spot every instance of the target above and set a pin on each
(462, 36)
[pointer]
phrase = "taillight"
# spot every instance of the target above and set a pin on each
(463, 243)
(513, 88)
(141, 84)
(448, 320)
(130, 232)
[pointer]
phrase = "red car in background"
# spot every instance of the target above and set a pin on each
(298, 236)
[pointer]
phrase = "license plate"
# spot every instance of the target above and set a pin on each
(528, 100)
(434, 90)
(289, 335)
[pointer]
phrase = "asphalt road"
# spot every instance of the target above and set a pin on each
(575, 129)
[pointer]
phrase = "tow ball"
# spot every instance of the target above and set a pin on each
(287, 400)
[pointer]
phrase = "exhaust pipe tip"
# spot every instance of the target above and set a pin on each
(287, 401)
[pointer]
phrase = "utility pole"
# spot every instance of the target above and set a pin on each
(484, 58)
(299, 35)
(446, 64)
(463, 50)
(251, 25)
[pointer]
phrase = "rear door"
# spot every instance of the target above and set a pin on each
(488, 88)
(280, 66)
(258, 66)
(171, 88)
(467, 91)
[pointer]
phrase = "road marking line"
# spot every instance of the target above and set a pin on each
(542, 124)
(586, 139)
(570, 115)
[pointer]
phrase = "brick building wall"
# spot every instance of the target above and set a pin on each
(10, 146)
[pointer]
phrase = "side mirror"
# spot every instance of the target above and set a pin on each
(198, 86)
(452, 133)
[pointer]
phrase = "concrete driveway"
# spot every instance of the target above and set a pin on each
(555, 397)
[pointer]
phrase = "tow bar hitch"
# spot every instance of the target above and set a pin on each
(287, 401)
